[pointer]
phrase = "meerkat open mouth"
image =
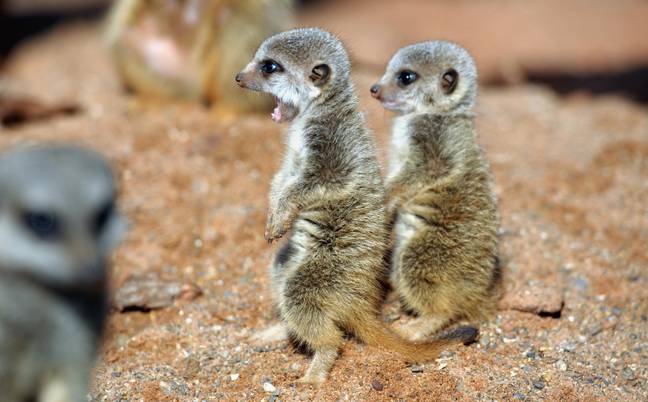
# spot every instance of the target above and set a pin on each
(284, 112)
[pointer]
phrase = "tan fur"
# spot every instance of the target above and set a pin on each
(328, 278)
(440, 190)
(209, 50)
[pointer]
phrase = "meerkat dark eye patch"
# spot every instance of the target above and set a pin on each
(320, 74)
(44, 225)
(101, 218)
(269, 66)
(449, 81)
(406, 77)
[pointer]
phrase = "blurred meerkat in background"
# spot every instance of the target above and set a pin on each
(191, 49)
(439, 187)
(58, 226)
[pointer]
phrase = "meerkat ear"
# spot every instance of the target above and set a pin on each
(449, 81)
(320, 74)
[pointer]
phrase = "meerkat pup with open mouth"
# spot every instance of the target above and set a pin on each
(58, 224)
(439, 189)
(328, 278)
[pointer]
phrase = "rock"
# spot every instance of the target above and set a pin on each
(595, 330)
(149, 291)
(628, 374)
(165, 387)
(377, 385)
(538, 384)
(415, 368)
(519, 396)
(538, 298)
(268, 387)
(561, 365)
(581, 283)
(568, 346)
(234, 376)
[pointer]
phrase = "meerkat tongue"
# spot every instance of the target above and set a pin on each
(276, 113)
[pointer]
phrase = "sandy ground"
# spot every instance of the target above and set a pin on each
(571, 176)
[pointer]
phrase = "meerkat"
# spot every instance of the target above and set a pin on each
(328, 278)
(439, 188)
(58, 224)
(191, 48)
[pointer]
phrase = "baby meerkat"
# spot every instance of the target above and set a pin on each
(191, 48)
(328, 278)
(58, 224)
(439, 189)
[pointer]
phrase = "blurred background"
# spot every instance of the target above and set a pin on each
(562, 115)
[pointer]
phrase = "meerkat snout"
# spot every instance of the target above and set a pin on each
(429, 77)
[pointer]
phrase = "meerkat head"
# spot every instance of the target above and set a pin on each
(298, 67)
(58, 219)
(428, 77)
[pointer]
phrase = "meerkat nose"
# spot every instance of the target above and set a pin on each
(239, 78)
(375, 91)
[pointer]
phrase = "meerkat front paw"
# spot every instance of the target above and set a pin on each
(278, 225)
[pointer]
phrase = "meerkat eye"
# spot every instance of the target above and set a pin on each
(406, 77)
(45, 225)
(269, 67)
(102, 217)
(449, 81)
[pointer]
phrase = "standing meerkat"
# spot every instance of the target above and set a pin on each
(439, 189)
(328, 278)
(58, 224)
(191, 48)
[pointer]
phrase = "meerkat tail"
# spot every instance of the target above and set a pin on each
(375, 333)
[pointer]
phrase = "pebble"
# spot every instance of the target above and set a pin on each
(519, 396)
(628, 374)
(268, 387)
(568, 346)
(165, 387)
(562, 366)
(581, 283)
(234, 376)
(538, 384)
(596, 329)
(415, 368)
(377, 385)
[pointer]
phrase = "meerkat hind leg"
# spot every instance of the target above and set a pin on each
(273, 334)
(326, 342)
(424, 326)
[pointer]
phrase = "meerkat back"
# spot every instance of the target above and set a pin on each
(58, 225)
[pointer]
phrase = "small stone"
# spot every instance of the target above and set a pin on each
(537, 297)
(234, 377)
(562, 366)
(581, 283)
(268, 387)
(377, 385)
(165, 387)
(150, 291)
(616, 311)
(595, 330)
(538, 384)
(531, 354)
(628, 374)
(568, 346)
(519, 396)
(415, 368)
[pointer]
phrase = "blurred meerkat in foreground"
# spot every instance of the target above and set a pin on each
(191, 48)
(328, 278)
(439, 189)
(58, 224)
